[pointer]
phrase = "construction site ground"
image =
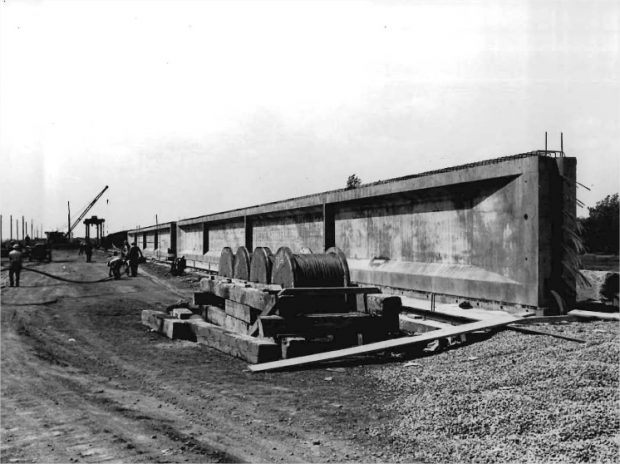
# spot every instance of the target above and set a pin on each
(83, 380)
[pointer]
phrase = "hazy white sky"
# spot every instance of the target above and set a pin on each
(188, 108)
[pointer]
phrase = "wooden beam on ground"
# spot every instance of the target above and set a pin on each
(326, 323)
(594, 315)
(540, 332)
(384, 345)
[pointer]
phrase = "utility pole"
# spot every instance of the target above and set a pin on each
(31, 229)
(11, 224)
(0, 229)
(69, 219)
(23, 234)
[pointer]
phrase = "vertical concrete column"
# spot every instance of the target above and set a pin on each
(329, 226)
(247, 224)
(205, 238)
(173, 237)
(156, 240)
(567, 170)
(87, 231)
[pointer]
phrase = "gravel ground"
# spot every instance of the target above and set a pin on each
(510, 398)
(514, 397)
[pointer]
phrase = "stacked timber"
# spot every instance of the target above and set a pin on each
(303, 303)
(263, 307)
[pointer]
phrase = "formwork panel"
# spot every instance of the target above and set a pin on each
(229, 234)
(295, 231)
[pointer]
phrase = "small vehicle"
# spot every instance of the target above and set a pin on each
(39, 252)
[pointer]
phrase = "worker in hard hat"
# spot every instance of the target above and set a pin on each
(134, 255)
(15, 265)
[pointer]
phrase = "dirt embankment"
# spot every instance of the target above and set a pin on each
(83, 380)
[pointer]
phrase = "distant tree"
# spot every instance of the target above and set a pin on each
(353, 182)
(600, 228)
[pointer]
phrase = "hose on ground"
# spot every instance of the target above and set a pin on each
(62, 278)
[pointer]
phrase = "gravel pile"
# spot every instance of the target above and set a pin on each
(514, 397)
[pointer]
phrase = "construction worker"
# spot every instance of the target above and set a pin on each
(15, 265)
(125, 249)
(88, 249)
(115, 264)
(134, 256)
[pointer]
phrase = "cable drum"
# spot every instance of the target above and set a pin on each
(241, 269)
(310, 270)
(227, 263)
(261, 265)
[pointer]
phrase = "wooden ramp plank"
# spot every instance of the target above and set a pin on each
(384, 345)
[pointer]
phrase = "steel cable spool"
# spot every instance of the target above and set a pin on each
(241, 268)
(310, 270)
(227, 263)
(261, 265)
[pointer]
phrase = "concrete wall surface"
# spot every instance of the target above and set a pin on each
(489, 231)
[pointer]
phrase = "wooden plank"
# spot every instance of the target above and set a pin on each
(240, 311)
(327, 291)
(236, 325)
(594, 315)
(214, 315)
(546, 319)
(317, 324)
(250, 349)
(540, 332)
(384, 345)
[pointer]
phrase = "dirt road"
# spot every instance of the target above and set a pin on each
(83, 380)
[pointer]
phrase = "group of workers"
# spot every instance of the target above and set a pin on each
(130, 258)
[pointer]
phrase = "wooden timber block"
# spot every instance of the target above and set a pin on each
(253, 297)
(241, 311)
(154, 319)
(321, 324)
(236, 325)
(214, 315)
(206, 298)
(178, 329)
(387, 307)
(251, 349)
(182, 313)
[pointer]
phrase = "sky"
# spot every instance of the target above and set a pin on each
(186, 108)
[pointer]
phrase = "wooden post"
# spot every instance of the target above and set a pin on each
(11, 224)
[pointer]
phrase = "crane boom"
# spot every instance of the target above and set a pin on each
(92, 203)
